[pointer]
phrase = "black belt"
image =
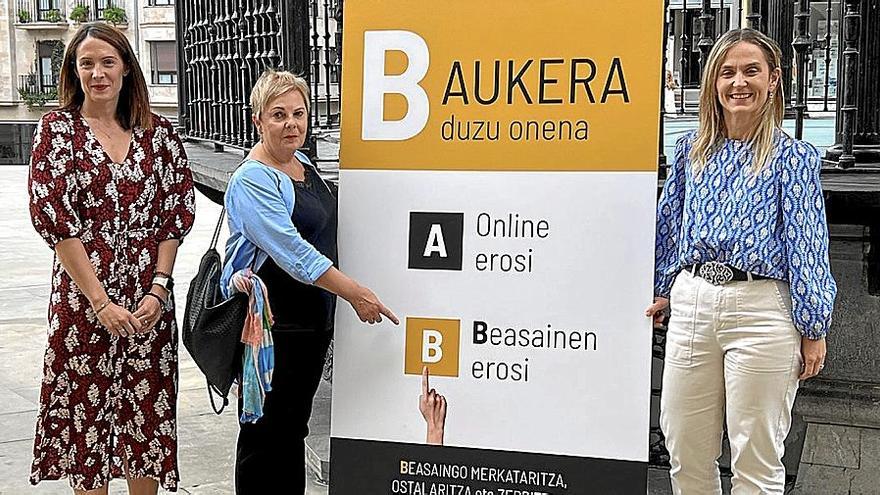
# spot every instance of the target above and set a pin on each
(717, 273)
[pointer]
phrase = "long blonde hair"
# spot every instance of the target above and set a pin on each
(712, 130)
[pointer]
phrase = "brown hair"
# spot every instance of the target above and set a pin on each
(712, 129)
(133, 107)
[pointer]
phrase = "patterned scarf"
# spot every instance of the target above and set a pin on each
(258, 359)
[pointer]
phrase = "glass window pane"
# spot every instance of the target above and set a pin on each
(165, 56)
(46, 69)
(44, 49)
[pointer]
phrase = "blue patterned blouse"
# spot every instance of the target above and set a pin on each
(770, 224)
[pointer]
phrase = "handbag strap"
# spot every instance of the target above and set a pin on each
(211, 391)
(217, 228)
(216, 237)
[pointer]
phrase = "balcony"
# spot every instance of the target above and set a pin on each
(99, 10)
(37, 89)
(46, 15)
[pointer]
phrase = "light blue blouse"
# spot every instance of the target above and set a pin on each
(259, 203)
(771, 223)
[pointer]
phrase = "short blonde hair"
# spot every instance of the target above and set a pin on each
(272, 84)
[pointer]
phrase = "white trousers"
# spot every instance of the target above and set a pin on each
(731, 350)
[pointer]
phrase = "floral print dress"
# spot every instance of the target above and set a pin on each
(106, 400)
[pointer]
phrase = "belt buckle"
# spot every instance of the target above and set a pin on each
(716, 273)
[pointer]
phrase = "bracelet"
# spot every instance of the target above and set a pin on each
(162, 274)
(102, 307)
(164, 281)
(158, 298)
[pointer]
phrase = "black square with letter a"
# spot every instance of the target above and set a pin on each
(435, 240)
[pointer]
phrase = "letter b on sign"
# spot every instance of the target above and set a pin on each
(435, 240)
(377, 84)
(432, 346)
(432, 342)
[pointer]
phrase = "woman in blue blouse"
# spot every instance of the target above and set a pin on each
(293, 251)
(742, 259)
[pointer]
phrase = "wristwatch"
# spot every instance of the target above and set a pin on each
(164, 281)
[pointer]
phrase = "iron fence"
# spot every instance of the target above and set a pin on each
(224, 46)
(98, 10)
(38, 84)
(326, 63)
(53, 11)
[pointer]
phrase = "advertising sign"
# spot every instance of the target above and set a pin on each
(498, 179)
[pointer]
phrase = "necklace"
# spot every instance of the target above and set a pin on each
(94, 125)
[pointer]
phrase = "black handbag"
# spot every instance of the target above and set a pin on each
(212, 326)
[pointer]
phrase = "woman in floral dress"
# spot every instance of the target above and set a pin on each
(112, 194)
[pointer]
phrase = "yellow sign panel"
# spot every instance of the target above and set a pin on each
(494, 85)
(432, 342)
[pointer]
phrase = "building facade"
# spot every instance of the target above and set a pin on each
(33, 37)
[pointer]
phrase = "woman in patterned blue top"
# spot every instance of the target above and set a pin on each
(742, 260)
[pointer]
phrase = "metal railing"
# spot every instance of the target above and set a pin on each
(326, 63)
(38, 84)
(52, 11)
(224, 46)
(97, 10)
(695, 24)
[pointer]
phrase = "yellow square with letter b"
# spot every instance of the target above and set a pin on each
(432, 342)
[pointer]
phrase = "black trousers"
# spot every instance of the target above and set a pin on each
(270, 457)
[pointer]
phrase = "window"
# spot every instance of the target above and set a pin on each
(100, 6)
(16, 141)
(160, 3)
(48, 76)
(46, 9)
(164, 60)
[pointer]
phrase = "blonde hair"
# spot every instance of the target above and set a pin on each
(712, 130)
(271, 84)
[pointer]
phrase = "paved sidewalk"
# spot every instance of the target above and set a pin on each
(206, 441)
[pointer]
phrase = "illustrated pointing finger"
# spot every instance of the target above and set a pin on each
(425, 381)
